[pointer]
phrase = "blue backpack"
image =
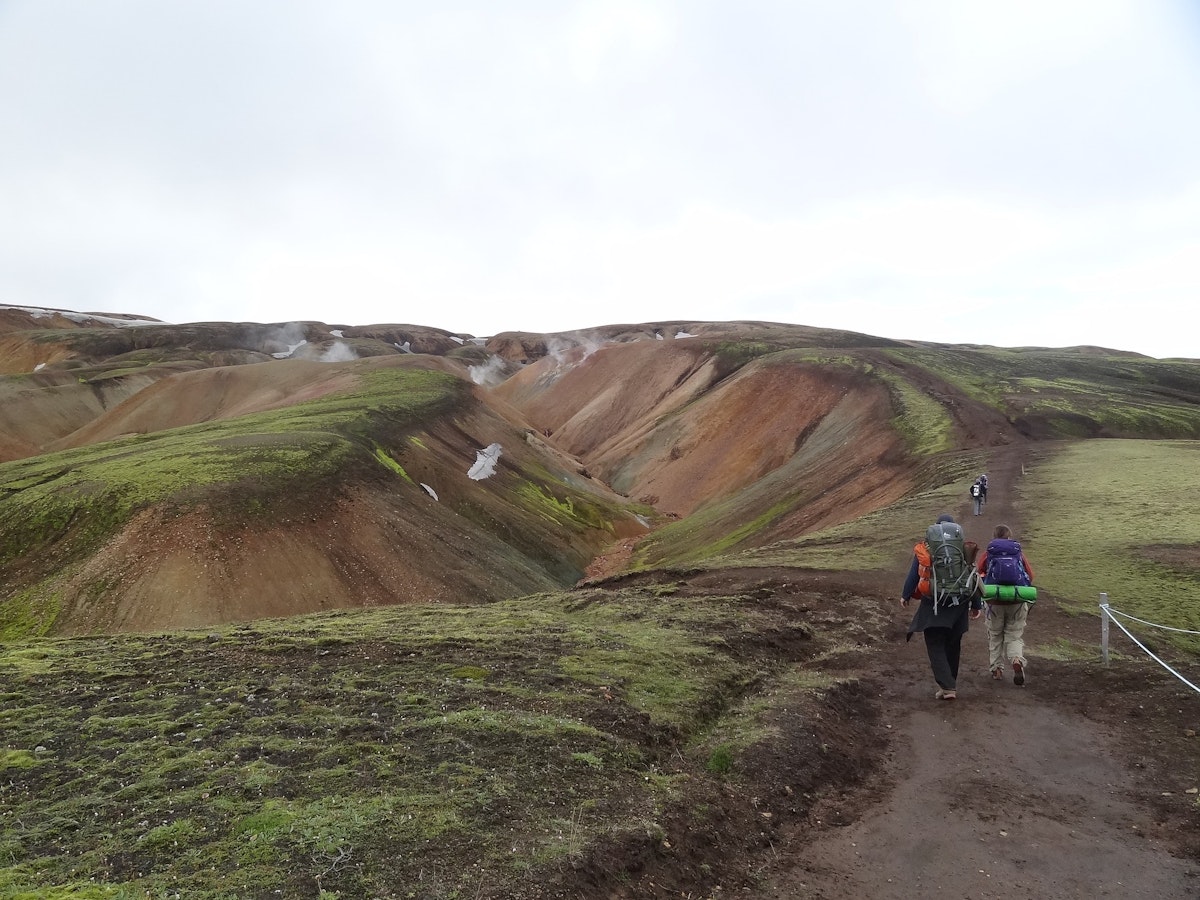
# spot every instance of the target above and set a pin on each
(1004, 565)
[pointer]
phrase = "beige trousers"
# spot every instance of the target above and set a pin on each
(1006, 633)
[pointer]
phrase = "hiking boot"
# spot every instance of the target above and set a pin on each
(998, 673)
(1018, 673)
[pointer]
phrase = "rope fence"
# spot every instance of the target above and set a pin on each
(1108, 614)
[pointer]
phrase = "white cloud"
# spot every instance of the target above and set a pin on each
(548, 166)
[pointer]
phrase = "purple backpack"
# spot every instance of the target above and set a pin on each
(1004, 565)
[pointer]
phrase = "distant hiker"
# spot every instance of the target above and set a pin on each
(1004, 565)
(943, 578)
(978, 494)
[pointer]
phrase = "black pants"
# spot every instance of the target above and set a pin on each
(944, 646)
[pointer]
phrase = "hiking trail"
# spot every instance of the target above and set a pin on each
(1063, 788)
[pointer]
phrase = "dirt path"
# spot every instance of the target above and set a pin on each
(1008, 792)
(996, 796)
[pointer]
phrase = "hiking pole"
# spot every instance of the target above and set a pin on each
(1104, 627)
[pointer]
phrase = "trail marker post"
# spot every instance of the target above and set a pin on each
(1104, 627)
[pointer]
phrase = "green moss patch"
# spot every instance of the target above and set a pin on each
(357, 751)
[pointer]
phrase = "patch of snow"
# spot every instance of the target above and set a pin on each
(658, 336)
(479, 342)
(457, 339)
(337, 333)
(485, 463)
(292, 348)
(406, 347)
(39, 367)
(430, 491)
(683, 334)
(642, 519)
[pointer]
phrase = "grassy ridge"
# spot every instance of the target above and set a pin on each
(368, 753)
(1070, 394)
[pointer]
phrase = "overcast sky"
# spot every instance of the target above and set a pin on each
(1016, 173)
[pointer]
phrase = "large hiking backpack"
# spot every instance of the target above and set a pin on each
(952, 576)
(1004, 565)
(977, 490)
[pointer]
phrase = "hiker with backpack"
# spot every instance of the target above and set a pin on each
(1008, 589)
(943, 578)
(979, 493)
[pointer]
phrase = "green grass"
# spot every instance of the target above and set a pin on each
(1119, 517)
(357, 751)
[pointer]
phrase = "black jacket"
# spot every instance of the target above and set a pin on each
(949, 615)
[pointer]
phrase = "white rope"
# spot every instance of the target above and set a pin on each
(1149, 653)
(1152, 624)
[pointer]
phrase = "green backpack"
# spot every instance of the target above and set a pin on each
(953, 578)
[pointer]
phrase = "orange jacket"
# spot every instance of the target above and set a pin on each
(924, 571)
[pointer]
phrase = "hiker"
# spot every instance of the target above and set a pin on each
(942, 577)
(1003, 563)
(978, 494)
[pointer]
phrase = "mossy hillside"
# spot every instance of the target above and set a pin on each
(355, 752)
(91, 491)
(924, 423)
(716, 529)
(31, 612)
(1073, 394)
(558, 528)
(553, 520)
(732, 355)
(1118, 517)
(740, 525)
(881, 539)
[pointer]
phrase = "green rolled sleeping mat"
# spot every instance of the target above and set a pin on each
(1009, 593)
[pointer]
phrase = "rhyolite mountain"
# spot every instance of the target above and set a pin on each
(157, 476)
